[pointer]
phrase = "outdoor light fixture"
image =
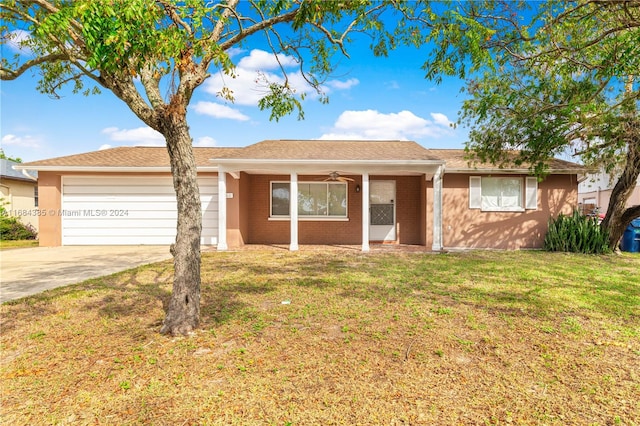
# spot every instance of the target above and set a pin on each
(357, 188)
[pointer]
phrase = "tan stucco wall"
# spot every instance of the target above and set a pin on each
(18, 199)
(49, 187)
(471, 228)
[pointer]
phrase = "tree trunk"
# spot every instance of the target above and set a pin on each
(618, 216)
(183, 312)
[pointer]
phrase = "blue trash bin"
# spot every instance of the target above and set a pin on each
(631, 237)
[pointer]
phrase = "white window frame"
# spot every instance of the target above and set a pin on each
(528, 194)
(303, 217)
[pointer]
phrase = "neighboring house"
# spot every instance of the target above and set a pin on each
(19, 193)
(413, 195)
(595, 191)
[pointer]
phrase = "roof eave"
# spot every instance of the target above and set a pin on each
(19, 179)
(512, 171)
(109, 169)
(260, 161)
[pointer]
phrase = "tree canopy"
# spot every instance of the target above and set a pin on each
(545, 79)
(153, 54)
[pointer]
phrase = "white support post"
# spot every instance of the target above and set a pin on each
(365, 212)
(222, 209)
(437, 210)
(293, 211)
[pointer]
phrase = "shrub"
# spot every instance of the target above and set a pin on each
(577, 234)
(12, 229)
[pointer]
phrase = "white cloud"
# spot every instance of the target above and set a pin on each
(343, 85)
(374, 125)
(254, 73)
(261, 60)
(441, 119)
(344, 136)
(235, 51)
(105, 146)
(15, 39)
(142, 136)
(26, 141)
(205, 141)
(218, 111)
(249, 86)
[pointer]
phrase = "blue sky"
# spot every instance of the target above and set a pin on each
(369, 98)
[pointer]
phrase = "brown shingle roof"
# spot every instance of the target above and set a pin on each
(331, 150)
(458, 159)
(455, 159)
(130, 156)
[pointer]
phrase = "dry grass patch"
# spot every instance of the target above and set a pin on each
(473, 338)
(16, 244)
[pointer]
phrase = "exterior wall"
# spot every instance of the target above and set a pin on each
(19, 196)
(410, 209)
(234, 233)
(595, 191)
(261, 230)
(428, 197)
(471, 228)
(602, 198)
(244, 208)
(50, 202)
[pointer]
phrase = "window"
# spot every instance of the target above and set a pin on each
(315, 199)
(35, 196)
(503, 194)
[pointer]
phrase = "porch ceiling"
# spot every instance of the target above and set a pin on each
(346, 167)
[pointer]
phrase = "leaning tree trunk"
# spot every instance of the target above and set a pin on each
(183, 312)
(618, 216)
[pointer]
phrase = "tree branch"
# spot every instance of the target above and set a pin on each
(123, 88)
(286, 17)
(9, 74)
(171, 12)
(150, 79)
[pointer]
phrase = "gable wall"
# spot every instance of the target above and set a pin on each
(472, 228)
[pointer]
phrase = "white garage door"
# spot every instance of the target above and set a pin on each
(130, 210)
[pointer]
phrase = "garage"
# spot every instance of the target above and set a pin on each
(121, 210)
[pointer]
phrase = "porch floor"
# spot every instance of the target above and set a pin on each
(374, 248)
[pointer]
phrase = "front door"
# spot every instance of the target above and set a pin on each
(382, 210)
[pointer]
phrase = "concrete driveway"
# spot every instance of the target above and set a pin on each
(28, 271)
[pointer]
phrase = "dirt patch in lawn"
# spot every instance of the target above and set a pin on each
(336, 337)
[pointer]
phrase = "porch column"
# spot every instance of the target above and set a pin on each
(437, 210)
(222, 209)
(365, 212)
(293, 211)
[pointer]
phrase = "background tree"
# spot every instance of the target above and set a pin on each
(142, 49)
(3, 156)
(545, 78)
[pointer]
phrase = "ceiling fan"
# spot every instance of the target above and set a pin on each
(335, 177)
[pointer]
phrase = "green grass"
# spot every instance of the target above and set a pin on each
(14, 244)
(402, 338)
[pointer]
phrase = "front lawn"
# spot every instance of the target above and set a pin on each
(13, 244)
(323, 337)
